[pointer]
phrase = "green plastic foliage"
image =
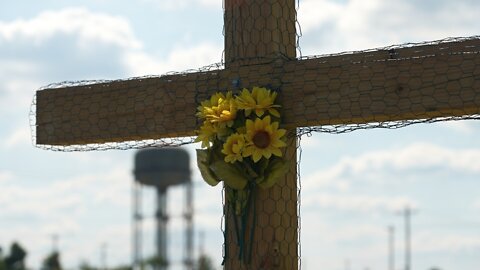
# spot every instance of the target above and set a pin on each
(203, 162)
(231, 175)
(276, 169)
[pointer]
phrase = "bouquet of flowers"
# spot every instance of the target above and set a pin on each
(242, 143)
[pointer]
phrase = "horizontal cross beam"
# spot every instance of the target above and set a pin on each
(435, 80)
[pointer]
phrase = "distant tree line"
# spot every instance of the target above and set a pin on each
(16, 257)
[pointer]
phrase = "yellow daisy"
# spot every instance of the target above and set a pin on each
(259, 100)
(206, 134)
(220, 109)
(233, 148)
(264, 139)
(206, 107)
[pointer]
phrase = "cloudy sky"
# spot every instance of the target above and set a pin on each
(353, 185)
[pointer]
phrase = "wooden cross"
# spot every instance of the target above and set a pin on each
(416, 82)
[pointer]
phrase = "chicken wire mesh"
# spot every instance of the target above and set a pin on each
(389, 87)
(272, 231)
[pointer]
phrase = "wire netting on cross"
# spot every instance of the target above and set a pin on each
(343, 100)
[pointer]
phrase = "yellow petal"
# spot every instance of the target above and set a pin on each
(276, 152)
(256, 156)
(274, 112)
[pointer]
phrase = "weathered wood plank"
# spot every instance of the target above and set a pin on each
(270, 38)
(442, 81)
(117, 111)
(258, 31)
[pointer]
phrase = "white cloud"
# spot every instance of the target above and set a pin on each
(358, 24)
(5, 177)
(88, 26)
(17, 93)
(72, 207)
(330, 243)
(313, 14)
(464, 127)
(102, 188)
(378, 164)
(364, 242)
(19, 137)
(182, 58)
(309, 141)
(345, 185)
(67, 207)
(424, 155)
(210, 3)
(67, 195)
(174, 5)
(116, 237)
(27, 57)
(358, 203)
(90, 41)
(425, 241)
(20, 67)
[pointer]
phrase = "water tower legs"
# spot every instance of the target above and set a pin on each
(162, 220)
(137, 226)
(188, 216)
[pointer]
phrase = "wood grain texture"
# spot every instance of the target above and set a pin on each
(257, 31)
(420, 82)
(118, 111)
(248, 51)
(275, 244)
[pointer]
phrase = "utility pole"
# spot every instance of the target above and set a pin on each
(347, 264)
(407, 213)
(103, 256)
(391, 248)
(201, 246)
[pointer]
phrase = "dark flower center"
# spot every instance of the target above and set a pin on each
(261, 139)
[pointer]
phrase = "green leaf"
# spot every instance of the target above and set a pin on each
(259, 179)
(232, 177)
(262, 165)
(248, 169)
(202, 155)
(202, 162)
(276, 169)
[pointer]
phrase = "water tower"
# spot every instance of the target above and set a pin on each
(162, 168)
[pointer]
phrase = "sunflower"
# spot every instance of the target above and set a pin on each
(259, 100)
(220, 109)
(264, 139)
(233, 148)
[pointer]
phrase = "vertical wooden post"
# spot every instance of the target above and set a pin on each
(262, 31)
(259, 29)
(275, 241)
